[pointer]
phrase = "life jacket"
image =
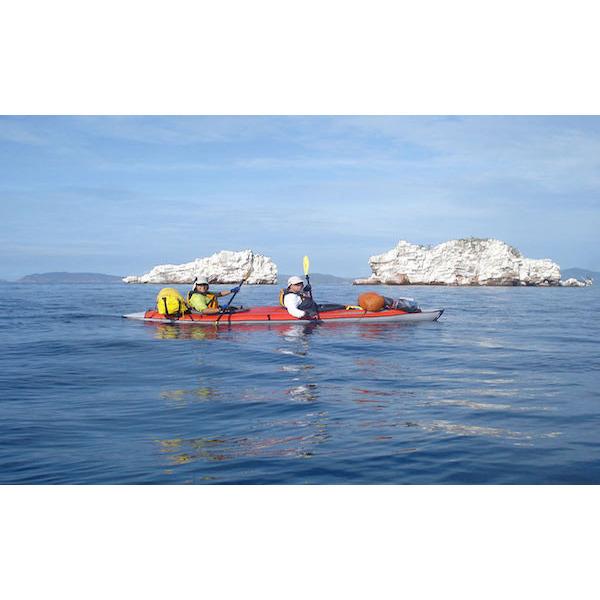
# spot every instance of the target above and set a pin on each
(211, 299)
(282, 293)
(308, 304)
(170, 302)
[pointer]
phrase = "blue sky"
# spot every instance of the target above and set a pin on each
(122, 194)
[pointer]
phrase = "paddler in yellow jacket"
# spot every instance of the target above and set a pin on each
(205, 302)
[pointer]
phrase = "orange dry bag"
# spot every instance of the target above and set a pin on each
(371, 301)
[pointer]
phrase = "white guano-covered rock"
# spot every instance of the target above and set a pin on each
(461, 262)
(572, 282)
(222, 267)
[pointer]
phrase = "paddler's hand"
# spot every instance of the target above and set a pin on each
(236, 289)
(307, 288)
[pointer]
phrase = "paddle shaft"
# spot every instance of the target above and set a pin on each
(306, 268)
(230, 300)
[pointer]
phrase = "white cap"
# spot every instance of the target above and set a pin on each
(294, 279)
(201, 281)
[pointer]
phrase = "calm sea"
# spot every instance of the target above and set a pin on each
(505, 388)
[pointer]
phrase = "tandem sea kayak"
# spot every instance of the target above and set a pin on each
(277, 314)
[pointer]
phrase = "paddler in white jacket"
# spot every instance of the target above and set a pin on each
(297, 300)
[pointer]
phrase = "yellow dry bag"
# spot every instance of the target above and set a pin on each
(170, 302)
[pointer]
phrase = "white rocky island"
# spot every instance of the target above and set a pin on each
(572, 282)
(221, 267)
(469, 261)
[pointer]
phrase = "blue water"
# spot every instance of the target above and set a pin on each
(503, 389)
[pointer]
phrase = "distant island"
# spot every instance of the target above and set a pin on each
(577, 273)
(63, 277)
(66, 277)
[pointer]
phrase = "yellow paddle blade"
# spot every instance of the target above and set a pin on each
(306, 265)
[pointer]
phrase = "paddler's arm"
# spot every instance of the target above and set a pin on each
(227, 292)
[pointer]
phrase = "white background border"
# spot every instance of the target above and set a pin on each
(298, 58)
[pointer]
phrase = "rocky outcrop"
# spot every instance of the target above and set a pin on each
(460, 262)
(572, 282)
(222, 267)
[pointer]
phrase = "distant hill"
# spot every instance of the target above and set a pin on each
(69, 278)
(315, 278)
(578, 273)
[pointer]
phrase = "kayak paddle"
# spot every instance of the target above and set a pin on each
(306, 264)
(232, 297)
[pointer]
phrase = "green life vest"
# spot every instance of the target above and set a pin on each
(200, 302)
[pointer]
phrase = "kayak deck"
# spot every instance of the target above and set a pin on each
(277, 314)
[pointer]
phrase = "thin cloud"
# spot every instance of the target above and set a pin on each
(18, 132)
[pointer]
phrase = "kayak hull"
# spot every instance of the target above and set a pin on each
(276, 314)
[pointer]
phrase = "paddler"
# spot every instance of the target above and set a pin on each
(205, 302)
(297, 299)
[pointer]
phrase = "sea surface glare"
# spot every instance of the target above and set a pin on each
(503, 389)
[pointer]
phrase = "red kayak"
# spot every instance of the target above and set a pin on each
(277, 314)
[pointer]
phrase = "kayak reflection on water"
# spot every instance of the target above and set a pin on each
(292, 332)
(164, 331)
(172, 331)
